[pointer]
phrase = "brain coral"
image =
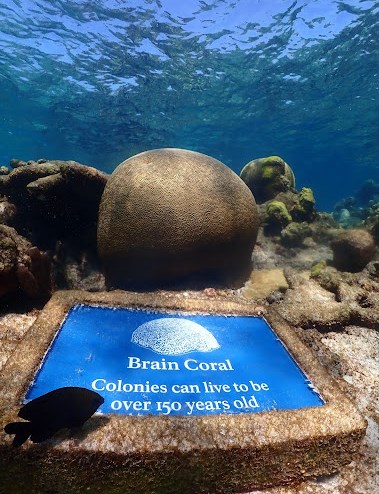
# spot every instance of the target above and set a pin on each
(172, 216)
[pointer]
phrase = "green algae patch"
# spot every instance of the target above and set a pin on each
(276, 218)
(305, 209)
(269, 172)
(277, 213)
(306, 198)
(317, 268)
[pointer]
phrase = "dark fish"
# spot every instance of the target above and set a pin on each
(59, 409)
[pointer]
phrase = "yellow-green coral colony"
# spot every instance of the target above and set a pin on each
(266, 177)
(305, 209)
(277, 214)
(306, 197)
(318, 268)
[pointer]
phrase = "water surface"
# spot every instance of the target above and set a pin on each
(98, 81)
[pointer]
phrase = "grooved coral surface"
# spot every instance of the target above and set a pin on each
(171, 213)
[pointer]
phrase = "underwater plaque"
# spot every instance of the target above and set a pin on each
(153, 362)
(200, 396)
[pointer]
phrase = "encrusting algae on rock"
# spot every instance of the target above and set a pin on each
(266, 177)
(305, 209)
(277, 215)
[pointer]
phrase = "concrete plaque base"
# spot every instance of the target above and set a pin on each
(226, 452)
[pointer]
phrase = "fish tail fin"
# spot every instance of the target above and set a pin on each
(22, 431)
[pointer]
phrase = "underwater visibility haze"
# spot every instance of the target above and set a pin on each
(99, 81)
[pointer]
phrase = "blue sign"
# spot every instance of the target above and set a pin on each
(151, 362)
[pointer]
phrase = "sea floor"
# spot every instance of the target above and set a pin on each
(350, 352)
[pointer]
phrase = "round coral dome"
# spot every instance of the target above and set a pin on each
(172, 216)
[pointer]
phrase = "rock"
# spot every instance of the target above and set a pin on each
(374, 229)
(24, 269)
(263, 283)
(277, 217)
(324, 227)
(170, 215)
(289, 198)
(351, 356)
(55, 200)
(352, 250)
(266, 177)
(329, 277)
(369, 191)
(13, 327)
(373, 268)
(309, 305)
(4, 170)
(42, 187)
(14, 184)
(76, 270)
(372, 222)
(345, 203)
(349, 218)
(50, 202)
(17, 163)
(300, 205)
(358, 292)
(317, 268)
(305, 209)
(270, 253)
(344, 218)
(348, 213)
(294, 234)
(7, 211)
(8, 261)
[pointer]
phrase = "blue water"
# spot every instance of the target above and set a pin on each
(98, 81)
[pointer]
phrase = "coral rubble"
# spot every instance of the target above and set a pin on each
(45, 204)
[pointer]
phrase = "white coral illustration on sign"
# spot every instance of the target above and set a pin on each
(174, 336)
